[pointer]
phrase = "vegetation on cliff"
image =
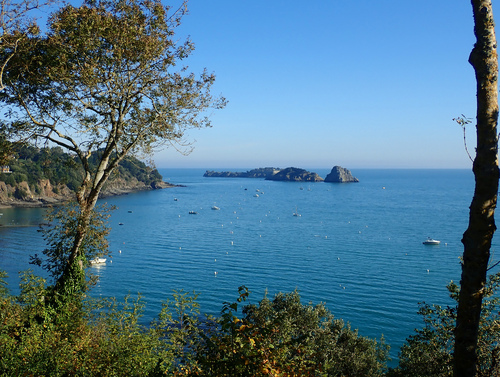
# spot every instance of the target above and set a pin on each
(29, 166)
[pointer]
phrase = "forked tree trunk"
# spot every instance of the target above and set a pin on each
(477, 238)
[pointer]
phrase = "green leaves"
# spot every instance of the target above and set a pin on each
(429, 352)
(284, 337)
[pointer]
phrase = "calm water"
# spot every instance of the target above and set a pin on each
(356, 247)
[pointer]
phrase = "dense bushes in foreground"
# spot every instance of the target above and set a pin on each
(278, 337)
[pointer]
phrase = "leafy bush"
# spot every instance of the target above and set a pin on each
(104, 337)
(284, 337)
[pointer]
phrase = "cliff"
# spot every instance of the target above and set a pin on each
(44, 176)
(46, 194)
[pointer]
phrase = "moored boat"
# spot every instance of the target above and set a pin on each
(431, 241)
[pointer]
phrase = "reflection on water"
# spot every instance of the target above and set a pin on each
(21, 216)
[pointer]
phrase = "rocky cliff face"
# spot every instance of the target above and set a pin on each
(295, 174)
(340, 175)
(22, 195)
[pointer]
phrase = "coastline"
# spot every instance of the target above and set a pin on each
(46, 201)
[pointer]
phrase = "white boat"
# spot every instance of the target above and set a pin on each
(431, 241)
(296, 213)
(215, 208)
(98, 260)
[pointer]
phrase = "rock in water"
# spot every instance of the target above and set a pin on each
(295, 174)
(340, 175)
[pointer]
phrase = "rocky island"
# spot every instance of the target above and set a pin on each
(340, 175)
(295, 175)
(254, 173)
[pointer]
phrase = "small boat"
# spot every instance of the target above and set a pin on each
(296, 213)
(193, 212)
(98, 260)
(175, 199)
(215, 208)
(256, 195)
(430, 241)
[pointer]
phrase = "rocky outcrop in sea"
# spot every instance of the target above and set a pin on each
(295, 174)
(254, 173)
(340, 175)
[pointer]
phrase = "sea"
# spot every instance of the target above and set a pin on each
(356, 247)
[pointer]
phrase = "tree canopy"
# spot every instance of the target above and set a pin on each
(105, 77)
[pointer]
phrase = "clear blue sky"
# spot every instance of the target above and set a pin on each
(356, 83)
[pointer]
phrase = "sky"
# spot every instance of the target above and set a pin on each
(318, 83)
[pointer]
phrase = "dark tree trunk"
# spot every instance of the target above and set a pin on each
(477, 238)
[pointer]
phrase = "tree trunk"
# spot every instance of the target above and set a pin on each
(477, 238)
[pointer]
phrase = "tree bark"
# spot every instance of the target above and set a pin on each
(477, 238)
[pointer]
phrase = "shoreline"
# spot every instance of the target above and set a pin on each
(44, 202)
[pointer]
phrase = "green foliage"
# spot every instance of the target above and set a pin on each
(105, 337)
(61, 225)
(31, 164)
(4, 291)
(430, 351)
(284, 337)
(59, 231)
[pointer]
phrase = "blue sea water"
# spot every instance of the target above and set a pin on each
(356, 247)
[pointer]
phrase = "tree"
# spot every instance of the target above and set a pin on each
(15, 27)
(105, 78)
(429, 352)
(477, 238)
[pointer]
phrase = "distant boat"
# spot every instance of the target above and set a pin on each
(175, 199)
(256, 195)
(193, 212)
(430, 241)
(296, 213)
(215, 208)
(98, 260)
